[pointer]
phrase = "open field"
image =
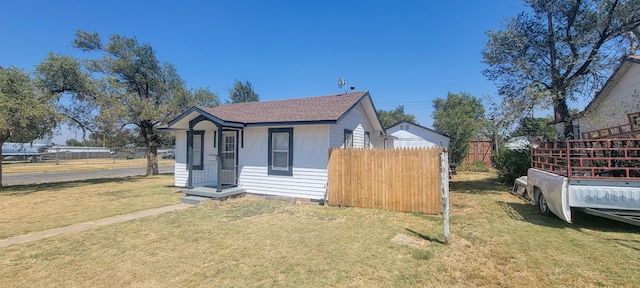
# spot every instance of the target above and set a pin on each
(497, 240)
(77, 165)
(38, 207)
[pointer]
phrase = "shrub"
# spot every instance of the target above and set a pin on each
(511, 164)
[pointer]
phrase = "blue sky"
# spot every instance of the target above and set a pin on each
(404, 52)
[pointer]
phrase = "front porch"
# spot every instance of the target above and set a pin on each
(198, 195)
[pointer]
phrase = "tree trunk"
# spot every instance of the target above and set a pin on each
(150, 139)
(562, 115)
(1, 143)
(4, 136)
(152, 159)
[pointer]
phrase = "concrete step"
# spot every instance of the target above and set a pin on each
(194, 200)
(212, 193)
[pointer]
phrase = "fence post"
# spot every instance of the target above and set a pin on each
(444, 189)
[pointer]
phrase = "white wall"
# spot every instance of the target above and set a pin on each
(358, 122)
(209, 174)
(612, 111)
(180, 171)
(310, 159)
(416, 137)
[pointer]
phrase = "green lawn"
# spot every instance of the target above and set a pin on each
(496, 240)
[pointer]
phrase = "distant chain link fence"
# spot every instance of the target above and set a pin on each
(94, 153)
(88, 153)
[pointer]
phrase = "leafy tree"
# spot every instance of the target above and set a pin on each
(25, 112)
(106, 136)
(391, 117)
(461, 116)
(127, 85)
(243, 92)
(560, 50)
(203, 97)
(533, 126)
(73, 142)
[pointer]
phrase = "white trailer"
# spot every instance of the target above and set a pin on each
(599, 176)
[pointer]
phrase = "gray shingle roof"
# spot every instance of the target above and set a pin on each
(312, 109)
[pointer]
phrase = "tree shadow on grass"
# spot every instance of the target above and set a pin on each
(25, 189)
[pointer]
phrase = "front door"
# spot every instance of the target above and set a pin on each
(229, 158)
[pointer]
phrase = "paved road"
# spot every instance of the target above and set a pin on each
(35, 178)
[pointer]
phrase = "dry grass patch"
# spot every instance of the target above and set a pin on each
(497, 241)
(77, 165)
(38, 207)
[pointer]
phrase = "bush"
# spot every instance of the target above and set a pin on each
(511, 164)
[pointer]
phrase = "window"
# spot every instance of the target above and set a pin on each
(197, 142)
(348, 138)
(367, 139)
(280, 151)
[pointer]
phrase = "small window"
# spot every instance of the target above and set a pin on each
(197, 142)
(367, 139)
(280, 151)
(348, 138)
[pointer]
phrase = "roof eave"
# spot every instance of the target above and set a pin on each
(217, 121)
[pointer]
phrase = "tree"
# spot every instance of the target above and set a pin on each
(560, 50)
(126, 86)
(25, 112)
(243, 92)
(73, 142)
(534, 126)
(391, 117)
(461, 116)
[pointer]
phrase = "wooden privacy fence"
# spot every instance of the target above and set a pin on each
(403, 180)
(479, 151)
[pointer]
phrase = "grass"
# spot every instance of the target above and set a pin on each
(496, 240)
(38, 207)
(77, 165)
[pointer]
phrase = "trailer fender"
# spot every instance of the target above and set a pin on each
(553, 188)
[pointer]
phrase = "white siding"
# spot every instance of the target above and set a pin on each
(612, 110)
(310, 153)
(208, 175)
(181, 173)
(357, 122)
(416, 137)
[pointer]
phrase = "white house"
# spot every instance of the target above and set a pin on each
(408, 134)
(277, 148)
(615, 110)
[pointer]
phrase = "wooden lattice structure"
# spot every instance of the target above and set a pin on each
(606, 158)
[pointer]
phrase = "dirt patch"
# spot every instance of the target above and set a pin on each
(410, 241)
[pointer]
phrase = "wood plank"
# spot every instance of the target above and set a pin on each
(404, 180)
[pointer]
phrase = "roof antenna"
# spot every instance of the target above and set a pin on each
(341, 84)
